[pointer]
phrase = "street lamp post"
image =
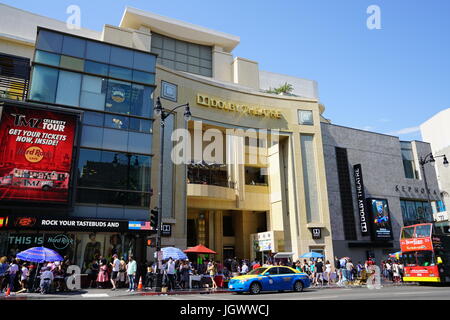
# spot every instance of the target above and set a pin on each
(162, 114)
(429, 158)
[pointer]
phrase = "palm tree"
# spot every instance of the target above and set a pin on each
(286, 88)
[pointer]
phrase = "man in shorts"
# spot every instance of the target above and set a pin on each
(115, 271)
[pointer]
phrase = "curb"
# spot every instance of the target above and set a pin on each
(182, 293)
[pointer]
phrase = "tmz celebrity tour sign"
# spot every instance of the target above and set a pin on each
(35, 154)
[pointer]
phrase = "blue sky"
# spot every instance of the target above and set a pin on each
(389, 80)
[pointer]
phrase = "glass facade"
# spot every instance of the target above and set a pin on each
(182, 55)
(408, 160)
(114, 87)
(415, 212)
(113, 178)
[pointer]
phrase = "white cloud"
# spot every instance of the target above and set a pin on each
(405, 131)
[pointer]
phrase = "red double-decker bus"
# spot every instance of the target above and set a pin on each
(425, 254)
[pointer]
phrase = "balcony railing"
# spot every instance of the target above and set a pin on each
(209, 174)
(14, 77)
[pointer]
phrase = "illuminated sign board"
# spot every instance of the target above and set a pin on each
(220, 104)
(380, 219)
(36, 149)
(91, 225)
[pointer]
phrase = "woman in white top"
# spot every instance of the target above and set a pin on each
(24, 277)
(328, 272)
(396, 272)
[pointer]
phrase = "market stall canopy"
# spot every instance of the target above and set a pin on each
(200, 249)
(39, 255)
(282, 255)
(395, 255)
(312, 255)
(174, 253)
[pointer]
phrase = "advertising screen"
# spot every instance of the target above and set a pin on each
(381, 219)
(35, 154)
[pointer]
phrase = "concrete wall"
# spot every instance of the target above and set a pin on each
(302, 87)
(246, 73)
(382, 170)
(436, 131)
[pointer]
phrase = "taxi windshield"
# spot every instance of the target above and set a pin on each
(257, 271)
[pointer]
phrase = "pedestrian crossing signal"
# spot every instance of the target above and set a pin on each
(151, 242)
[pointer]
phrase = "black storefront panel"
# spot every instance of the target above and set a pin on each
(80, 240)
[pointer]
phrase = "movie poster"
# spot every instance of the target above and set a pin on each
(35, 154)
(381, 219)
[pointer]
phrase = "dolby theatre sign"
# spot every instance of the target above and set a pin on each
(207, 101)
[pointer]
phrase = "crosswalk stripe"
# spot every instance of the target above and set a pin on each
(95, 295)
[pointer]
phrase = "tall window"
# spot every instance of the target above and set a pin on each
(182, 55)
(408, 160)
(228, 228)
(310, 178)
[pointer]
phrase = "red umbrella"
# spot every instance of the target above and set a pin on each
(200, 249)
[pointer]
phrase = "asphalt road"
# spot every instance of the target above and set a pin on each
(410, 292)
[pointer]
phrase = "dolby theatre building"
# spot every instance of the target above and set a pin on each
(245, 176)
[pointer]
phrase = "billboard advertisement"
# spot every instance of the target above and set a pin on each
(36, 149)
(381, 219)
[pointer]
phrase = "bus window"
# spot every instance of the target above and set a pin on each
(408, 233)
(409, 259)
(425, 258)
(423, 231)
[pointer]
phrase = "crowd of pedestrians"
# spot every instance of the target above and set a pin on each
(20, 276)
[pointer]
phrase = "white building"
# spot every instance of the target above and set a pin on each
(436, 131)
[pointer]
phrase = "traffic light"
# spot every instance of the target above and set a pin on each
(154, 218)
(151, 242)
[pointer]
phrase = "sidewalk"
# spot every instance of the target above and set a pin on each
(108, 293)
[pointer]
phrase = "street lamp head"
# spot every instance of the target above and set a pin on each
(158, 107)
(445, 161)
(187, 113)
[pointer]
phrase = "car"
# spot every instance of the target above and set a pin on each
(273, 278)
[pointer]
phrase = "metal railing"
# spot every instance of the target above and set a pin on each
(14, 77)
(209, 174)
